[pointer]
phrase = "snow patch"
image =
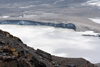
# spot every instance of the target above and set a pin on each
(58, 1)
(4, 16)
(93, 2)
(96, 20)
(27, 6)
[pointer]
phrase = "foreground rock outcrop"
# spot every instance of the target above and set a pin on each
(14, 53)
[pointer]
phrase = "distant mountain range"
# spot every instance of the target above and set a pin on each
(77, 12)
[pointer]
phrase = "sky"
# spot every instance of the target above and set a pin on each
(58, 41)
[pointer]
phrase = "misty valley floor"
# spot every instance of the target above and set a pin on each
(58, 41)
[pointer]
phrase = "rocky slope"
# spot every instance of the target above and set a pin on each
(14, 53)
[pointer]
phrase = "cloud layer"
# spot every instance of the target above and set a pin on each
(57, 41)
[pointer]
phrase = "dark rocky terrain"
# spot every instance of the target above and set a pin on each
(98, 64)
(14, 53)
(28, 22)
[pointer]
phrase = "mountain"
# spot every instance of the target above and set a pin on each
(77, 12)
(13, 52)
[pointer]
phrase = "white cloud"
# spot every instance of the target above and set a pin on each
(27, 6)
(58, 1)
(57, 41)
(4, 16)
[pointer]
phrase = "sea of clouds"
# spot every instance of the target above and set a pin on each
(58, 41)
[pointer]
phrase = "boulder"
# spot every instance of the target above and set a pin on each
(71, 26)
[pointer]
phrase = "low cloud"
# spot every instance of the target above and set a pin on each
(57, 41)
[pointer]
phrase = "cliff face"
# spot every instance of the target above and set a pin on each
(14, 53)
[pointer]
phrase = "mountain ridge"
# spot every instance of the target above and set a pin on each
(27, 22)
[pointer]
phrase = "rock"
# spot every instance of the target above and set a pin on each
(44, 54)
(28, 22)
(72, 62)
(13, 55)
(71, 26)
